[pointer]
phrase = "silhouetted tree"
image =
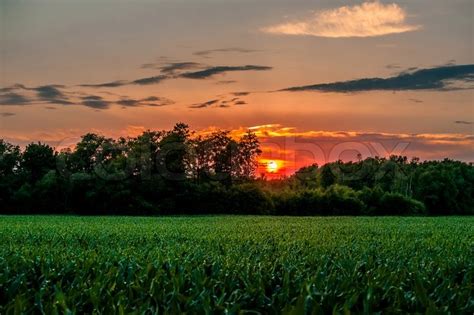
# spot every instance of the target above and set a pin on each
(37, 160)
(328, 177)
(175, 171)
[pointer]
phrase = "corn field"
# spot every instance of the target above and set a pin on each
(236, 264)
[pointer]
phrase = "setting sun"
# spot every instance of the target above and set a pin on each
(272, 167)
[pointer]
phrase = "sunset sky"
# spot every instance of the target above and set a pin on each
(316, 80)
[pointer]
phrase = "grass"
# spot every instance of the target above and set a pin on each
(234, 264)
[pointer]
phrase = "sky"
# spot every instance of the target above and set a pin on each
(316, 80)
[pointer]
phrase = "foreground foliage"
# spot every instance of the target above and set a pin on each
(178, 172)
(234, 264)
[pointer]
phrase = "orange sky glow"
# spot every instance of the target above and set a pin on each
(316, 81)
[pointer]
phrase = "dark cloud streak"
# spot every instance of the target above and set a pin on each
(7, 114)
(207, 53)
(107, 84)
(205, 104)
(153, 101)
(178, 66)
(209, 72)
(150, 80)
(13, 99)
(440, 79)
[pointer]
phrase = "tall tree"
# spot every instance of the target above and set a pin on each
(328, 177)
(37, 160)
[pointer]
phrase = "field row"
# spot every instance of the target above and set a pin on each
(232, 263)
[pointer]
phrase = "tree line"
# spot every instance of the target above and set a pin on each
(178, 172)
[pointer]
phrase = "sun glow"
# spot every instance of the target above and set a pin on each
(272, 167)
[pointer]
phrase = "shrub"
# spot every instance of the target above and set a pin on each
(397, 204)
(249, 199)
(341, 200)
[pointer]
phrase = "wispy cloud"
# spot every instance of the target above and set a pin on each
(207, 53)
(172, 67)
(241, 93)
(43, 94)
(150, 80)
(440, 78)
(106, 84)
(223, 101)
(13, 99)
(179, 66)
(149, 101)
(365, 20)
(297, 148)
(393, 66)
(209, 72)
(463, 122)
(175, 71)
(61, 95)
(7, 114)
(224, 82)
(12, 88)
(52, 94)
(94, 101)
(205, 104)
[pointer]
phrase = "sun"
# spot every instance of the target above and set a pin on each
(272, 166)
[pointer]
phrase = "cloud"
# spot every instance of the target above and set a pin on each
(58, 94)
(13, 99)
(222, 82)
(107, 84)
(178, 66)
(440, 78)
(297, 148)
(209, 72)
(450, 62)
(51, 94)
(411, 69)
(241, 93)
(207, 53)
(12, 88)
(174, 70)
(148, 66)
(49, 91)
(222, 101)
(463, 122)
(149, 101)
(205, 104)
(393, 66)
(46, 93)
(128, 102)
(150, 80)
(365, 20)
(94, 101)
(153, 99)
(172, 67)
(7, 114)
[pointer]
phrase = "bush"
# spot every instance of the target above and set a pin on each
(249, 199)
(371, 199)
(304, 202)
(342, 200)
(336, 200)
(397, 204)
